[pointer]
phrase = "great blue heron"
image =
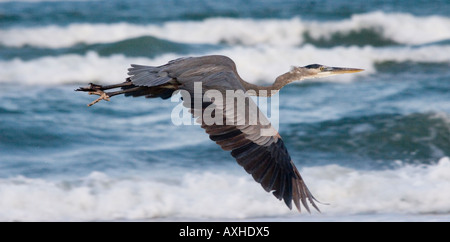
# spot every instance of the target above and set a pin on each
(265, 157)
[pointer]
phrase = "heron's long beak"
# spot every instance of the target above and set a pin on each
(341, 70)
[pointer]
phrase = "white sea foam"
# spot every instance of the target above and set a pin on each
(408, 190)
(254, 63)
(399, 27)
(212, 31)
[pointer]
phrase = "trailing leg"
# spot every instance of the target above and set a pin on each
(95, 89)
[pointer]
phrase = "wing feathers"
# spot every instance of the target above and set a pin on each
(227, 135)
(148, 76)
(264, 157)
(233, 143)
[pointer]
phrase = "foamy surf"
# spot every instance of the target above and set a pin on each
(255, 64)
(401, 28)
(405, 191)
(375, 148)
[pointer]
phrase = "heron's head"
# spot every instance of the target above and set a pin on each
(317, 71)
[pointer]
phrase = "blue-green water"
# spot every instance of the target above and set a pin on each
(374, 144)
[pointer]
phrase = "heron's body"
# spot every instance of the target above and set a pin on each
(263, 156)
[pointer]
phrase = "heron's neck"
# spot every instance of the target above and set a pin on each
(267, 91)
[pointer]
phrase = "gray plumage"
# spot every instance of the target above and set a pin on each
(263, 156)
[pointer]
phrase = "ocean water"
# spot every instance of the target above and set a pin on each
(373, 146)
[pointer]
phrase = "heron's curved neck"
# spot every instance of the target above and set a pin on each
(267, 91)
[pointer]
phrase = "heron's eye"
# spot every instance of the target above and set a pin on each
(321, 68)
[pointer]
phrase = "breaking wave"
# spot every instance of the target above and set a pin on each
(255, 64)
(207, 195)
(383, 29)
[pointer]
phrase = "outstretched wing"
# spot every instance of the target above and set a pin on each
(246, 132)
(257, 147)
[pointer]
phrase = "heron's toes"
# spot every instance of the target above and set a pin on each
(102, 94)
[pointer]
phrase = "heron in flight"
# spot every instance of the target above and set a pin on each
(263, 156)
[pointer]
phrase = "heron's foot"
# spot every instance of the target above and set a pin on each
(102, 94)
(95, 89)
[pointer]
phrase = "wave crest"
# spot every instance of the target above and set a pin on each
(399, 28)
(408, 189)
(255, 64)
